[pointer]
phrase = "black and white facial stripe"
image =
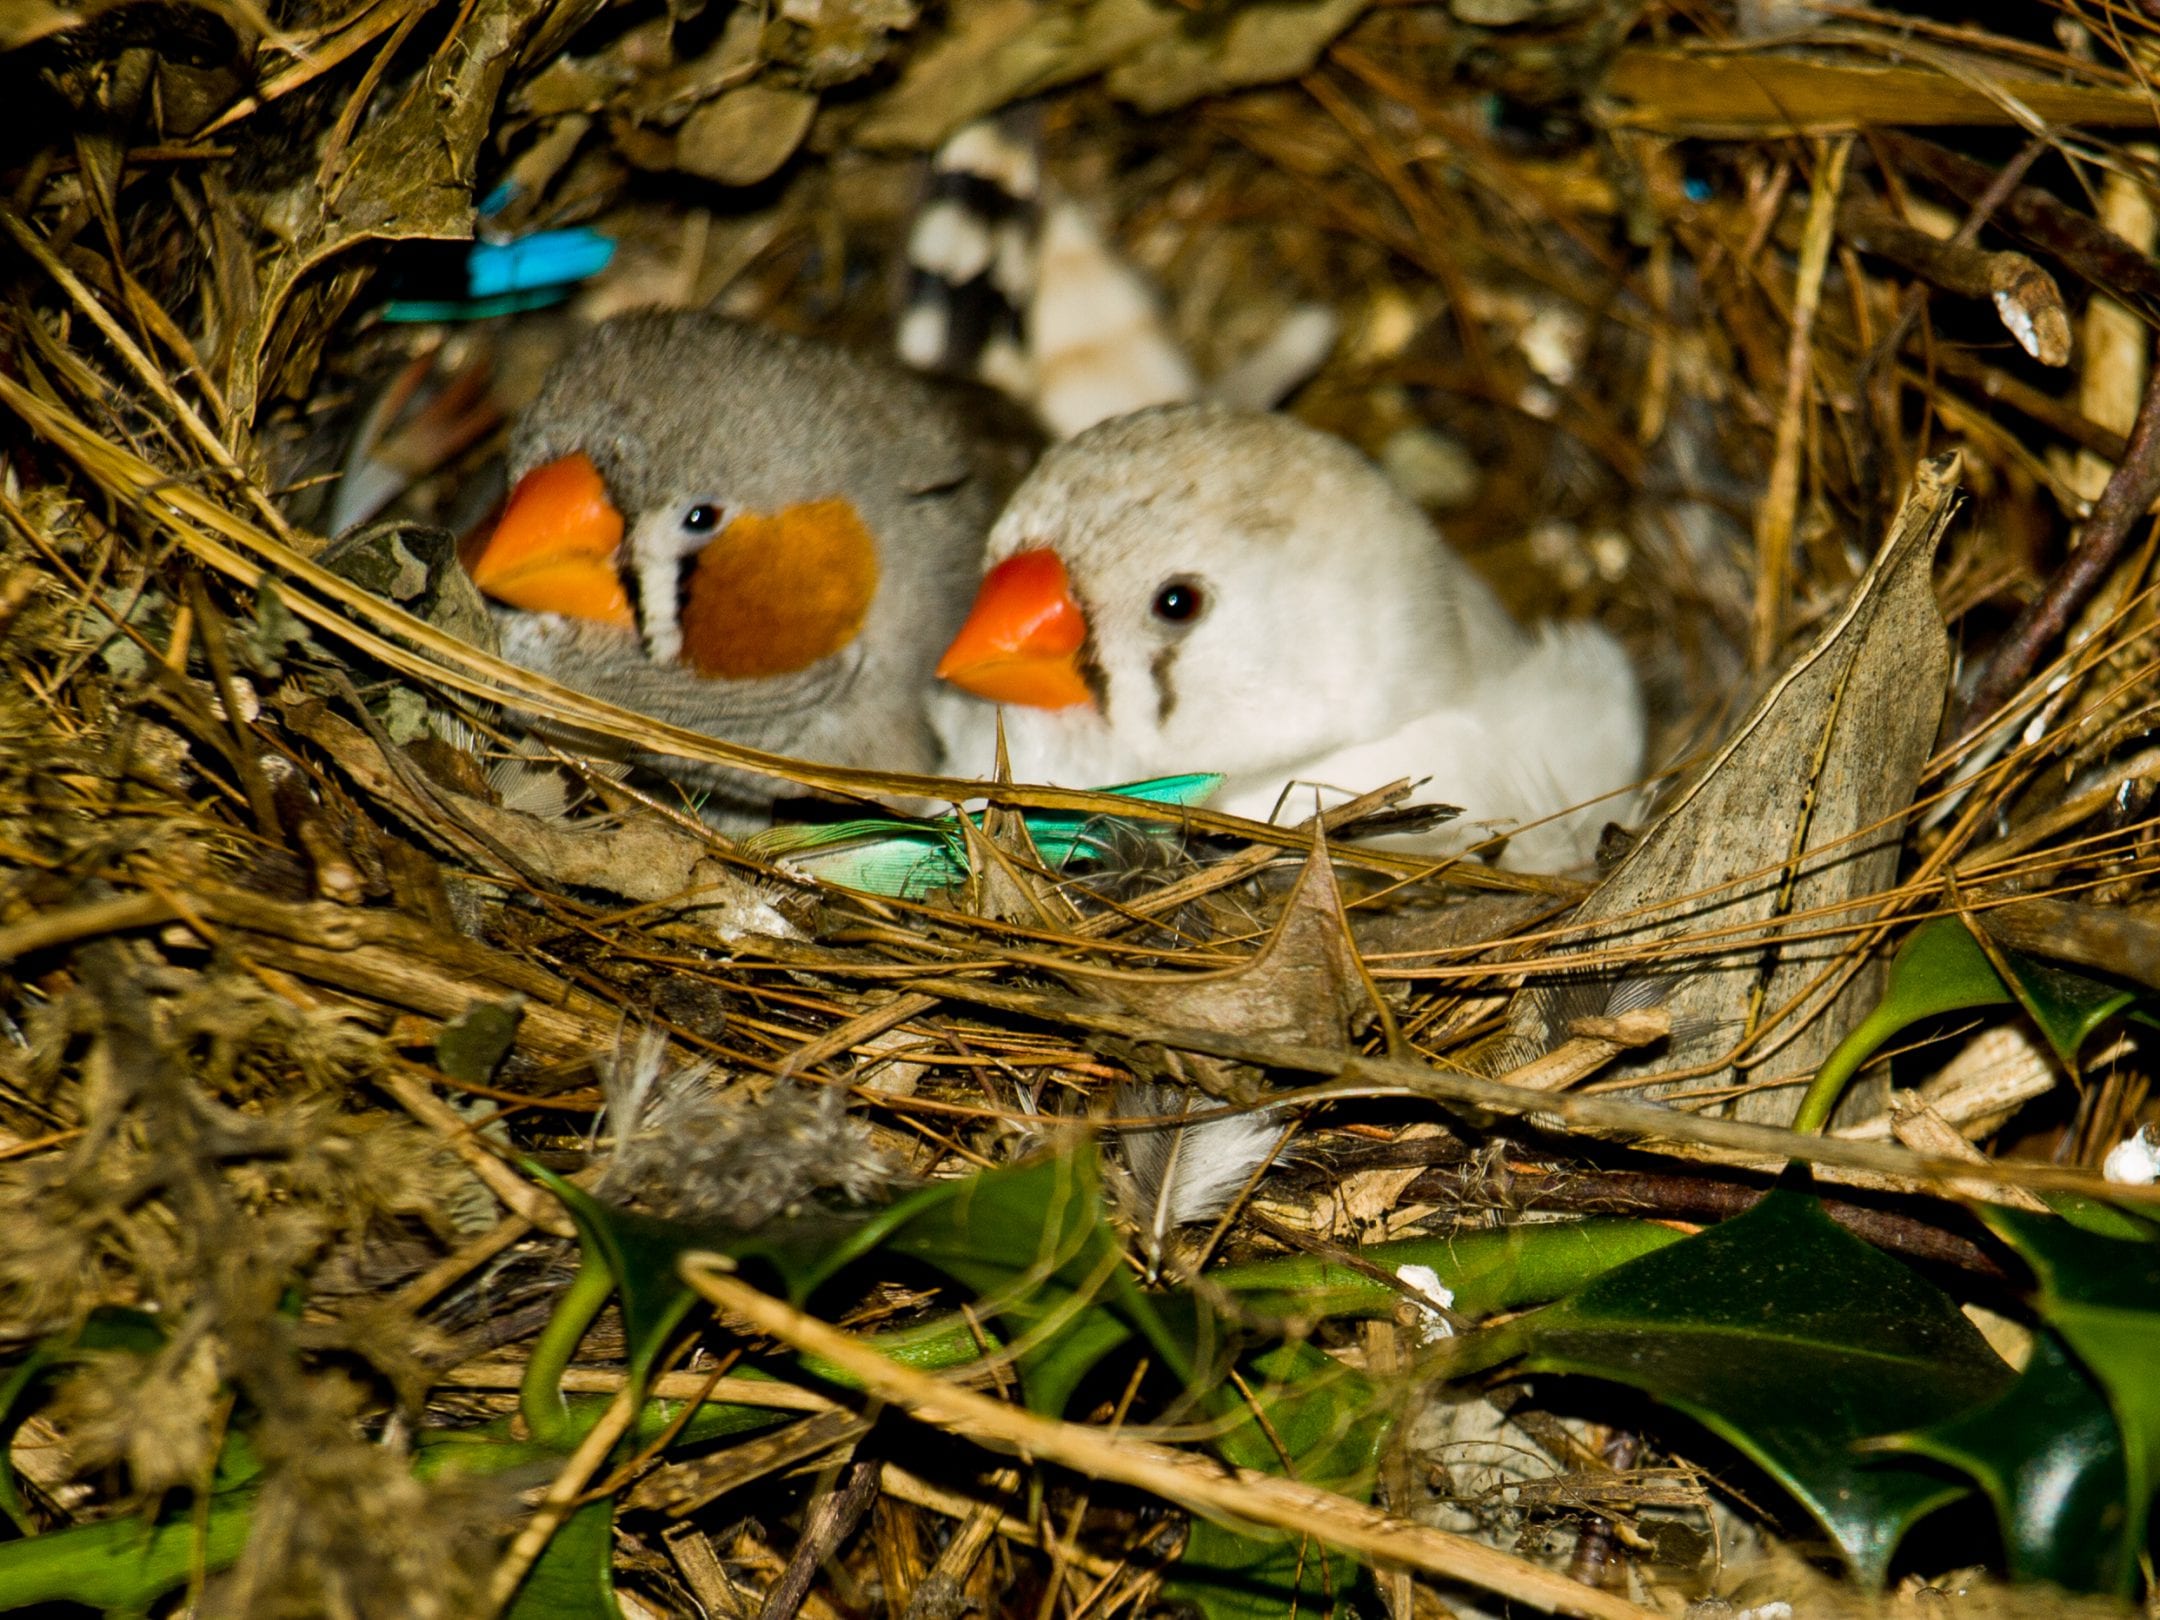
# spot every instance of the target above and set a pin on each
(656, 576)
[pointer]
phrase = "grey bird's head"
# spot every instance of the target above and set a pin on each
(756, 536)
(733, 495)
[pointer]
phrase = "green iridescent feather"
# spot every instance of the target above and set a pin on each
(911, 860)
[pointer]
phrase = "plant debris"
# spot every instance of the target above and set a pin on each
(442, 1173)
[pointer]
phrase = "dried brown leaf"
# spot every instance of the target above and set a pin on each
(1263, 44)
(741, 137)
(407, 175)
(1801, 812)
(997, 51)
(1305, 985)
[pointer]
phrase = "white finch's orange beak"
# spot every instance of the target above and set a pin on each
(554, 550)
(1022, 640)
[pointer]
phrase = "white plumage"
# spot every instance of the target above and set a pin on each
(1180, 1175)
(1258, 599)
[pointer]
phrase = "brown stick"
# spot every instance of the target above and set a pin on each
(1198, 1483)
(832, 1517)
(2129, 494)
(2074, 240)
(2025, 296)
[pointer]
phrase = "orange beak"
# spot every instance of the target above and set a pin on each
(1022, 639)
(554, 550)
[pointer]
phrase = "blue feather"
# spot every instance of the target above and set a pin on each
(542, 259)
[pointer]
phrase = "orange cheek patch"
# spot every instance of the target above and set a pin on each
(773, 595)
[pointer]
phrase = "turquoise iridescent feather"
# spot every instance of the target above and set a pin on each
(912, 860)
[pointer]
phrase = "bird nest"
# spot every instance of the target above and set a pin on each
(341, 1093)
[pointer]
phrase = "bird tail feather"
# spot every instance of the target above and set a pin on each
(1013, 285)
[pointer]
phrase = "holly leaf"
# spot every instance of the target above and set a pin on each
(2102, 1294)
(2049, 1456)
(1315, 1420)
(1792, 1340)
(1942, 968)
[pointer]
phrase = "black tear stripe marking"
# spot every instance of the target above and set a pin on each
(685, 566)
(634, 588)
(1166, 694)
(1087, 660)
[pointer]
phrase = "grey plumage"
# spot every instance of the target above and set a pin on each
(678, 409)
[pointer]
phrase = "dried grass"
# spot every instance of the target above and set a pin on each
(1631, 336)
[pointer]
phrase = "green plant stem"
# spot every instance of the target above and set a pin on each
(1486, 1271)
(540, 1396)
(1821, 1098)
(121, 1564)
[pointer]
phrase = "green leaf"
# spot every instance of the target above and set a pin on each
(1029, 1241)
(2049, 1456)
(2103, 1296)
(1940, 968)
(638, 1256)
(1486, 1271)
(2102, 1220)
(641, 1254)
(574, 1576)
(1331, 1423)
(1032, 1244)
(1791, 1339)
(2068, 1006)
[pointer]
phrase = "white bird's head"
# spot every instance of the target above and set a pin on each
(1199, 588)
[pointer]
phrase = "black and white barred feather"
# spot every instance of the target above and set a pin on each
(1012, 284)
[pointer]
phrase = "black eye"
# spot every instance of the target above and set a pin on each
(701, 517)
(1180, 601)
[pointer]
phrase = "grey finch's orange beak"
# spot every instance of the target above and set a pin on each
(554, 550)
